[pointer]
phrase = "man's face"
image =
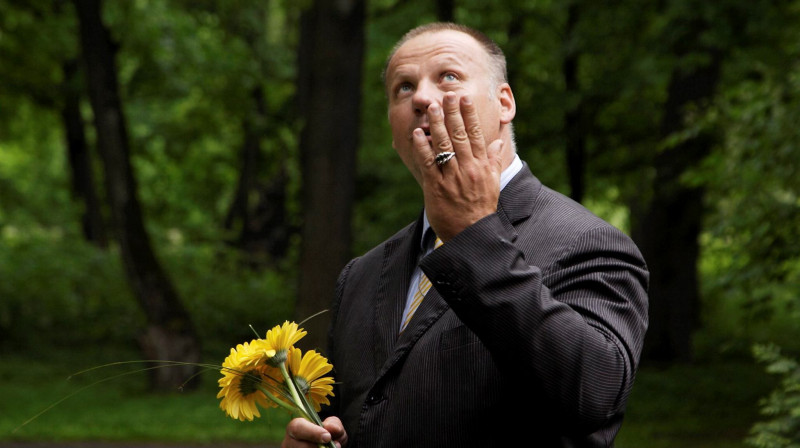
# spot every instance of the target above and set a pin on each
(423, 70)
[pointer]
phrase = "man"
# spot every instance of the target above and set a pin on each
(531, 333)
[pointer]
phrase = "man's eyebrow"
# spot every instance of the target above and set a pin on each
(399, 72)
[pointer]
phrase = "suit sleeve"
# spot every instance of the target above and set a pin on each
(572, 330)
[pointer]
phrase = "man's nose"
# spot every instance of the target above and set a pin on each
(425, 95)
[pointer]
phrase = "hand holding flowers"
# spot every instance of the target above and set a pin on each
(271, 372)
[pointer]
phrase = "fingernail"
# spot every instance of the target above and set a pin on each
(467, 100)
(450, 98)
(434, 108)
(326, 437)
(418, 132)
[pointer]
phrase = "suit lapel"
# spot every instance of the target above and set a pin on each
(429, 311)
(399, 261)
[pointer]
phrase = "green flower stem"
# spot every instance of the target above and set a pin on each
(281, 403)
(292, 388)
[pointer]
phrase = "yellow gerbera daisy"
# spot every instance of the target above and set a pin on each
(281, 338)
(307, 370)
(241, 377)
(257, 352)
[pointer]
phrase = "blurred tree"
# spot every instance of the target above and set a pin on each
(258, 213)
(258, 209)
(80, 161)
(445, 10)
(330, 58)
(574, 131)
(53, 81)
(170, 334)
(704, 42)
(670, 228)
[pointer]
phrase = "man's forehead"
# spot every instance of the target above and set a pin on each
(442, 45)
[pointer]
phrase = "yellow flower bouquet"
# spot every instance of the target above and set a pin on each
(272, 372)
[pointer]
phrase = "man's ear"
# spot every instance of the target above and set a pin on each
(508, 107)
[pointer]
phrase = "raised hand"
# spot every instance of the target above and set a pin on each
(466, 188)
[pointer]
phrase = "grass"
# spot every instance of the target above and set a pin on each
(689, 406)
(117, 410)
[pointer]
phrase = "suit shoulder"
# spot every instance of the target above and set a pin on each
(558, 226)
(556, 210)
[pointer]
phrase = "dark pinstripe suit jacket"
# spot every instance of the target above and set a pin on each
(530, 337)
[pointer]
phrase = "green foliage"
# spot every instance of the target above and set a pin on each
(52, 281)
(33, 74)
(753, 192)
(224, 297)
(188, 74)
(34, 186)
(782, 407)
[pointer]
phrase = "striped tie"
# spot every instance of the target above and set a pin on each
(422, 289)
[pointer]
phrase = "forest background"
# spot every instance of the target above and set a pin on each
(174, 171)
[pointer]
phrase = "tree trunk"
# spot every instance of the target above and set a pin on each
(329, 81)
(170, 334)
(83, 183)
(573, 123)
(258, 211)
(669, 230)
(445, 10)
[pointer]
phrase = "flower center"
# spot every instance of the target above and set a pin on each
(249, 383)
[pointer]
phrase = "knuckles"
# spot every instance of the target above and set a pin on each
(460, 135)
(474, 131)
(444, 144)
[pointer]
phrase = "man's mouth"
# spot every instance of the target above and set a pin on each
(426, 129)
(427, 132)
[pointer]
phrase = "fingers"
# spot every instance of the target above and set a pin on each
(301, 433)
(423, 154)
(336, 429)
(441, 139)
(453, 126)
(495, 154)
(457, 128)
(472, 127)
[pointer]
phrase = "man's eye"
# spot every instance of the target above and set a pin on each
(403, 88)
(450, 77)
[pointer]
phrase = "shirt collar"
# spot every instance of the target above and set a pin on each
(505, 178)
